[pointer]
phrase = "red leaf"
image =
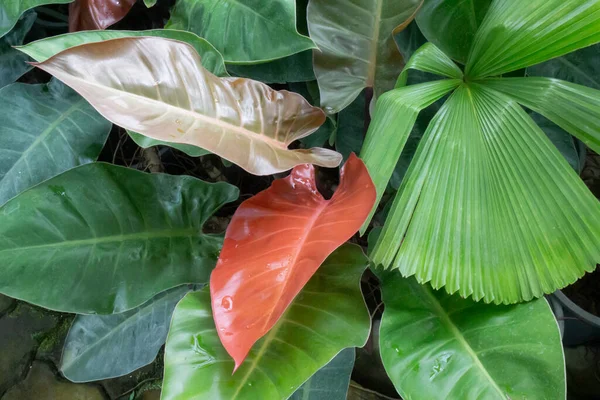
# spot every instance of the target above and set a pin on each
(97, 14)
(275, 243)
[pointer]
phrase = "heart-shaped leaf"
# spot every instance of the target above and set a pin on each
(13, 62)
(158, 87)
(106, 346)
(327, 316)
(356, 46)
(45, 130)
(108, 238)
(438, 346)
(11, 10)
(251, 31)
(330, 382)
(85, 15)
(275, 243)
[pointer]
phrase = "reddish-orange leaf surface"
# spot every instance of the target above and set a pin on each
(97, 14)
(275, 243)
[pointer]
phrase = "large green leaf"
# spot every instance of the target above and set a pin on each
(451, 24)
(330, 382)
(11, 10)
(327, 316)
(108, 238)
(516, 34)
(45, 130)
(437, 346)
(574, 108)
(43, 49)
(395, 115)
(245, 32)
(14, 63)
(581, 67)
(489, 207)
(356, 46)
(295, 68)
(106, 346)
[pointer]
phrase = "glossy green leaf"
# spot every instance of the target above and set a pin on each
(429, 58)
(574, 108)
(227, 24)
(394, 117)
(43, 49)
(581, 67)
(516, 34)
(108, 238)
(11, 10)
(437, 346)
(295, 68)
(150, 3)
(327, 316)
(14, 63)
(451, 24)
(330, 382)
(356, 46)
(106, 346)
(46, 129)
(145, 142)
(489, 207)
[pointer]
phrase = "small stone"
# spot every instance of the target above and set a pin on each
(18, 332)
(42, 384)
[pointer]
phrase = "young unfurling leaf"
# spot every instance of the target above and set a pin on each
(275, 243)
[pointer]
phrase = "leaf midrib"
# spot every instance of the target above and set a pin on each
(374, 42)
(44, 134)
(447, 322)
(261, 351)
(309, 227)
(112, 238)
(196, 115)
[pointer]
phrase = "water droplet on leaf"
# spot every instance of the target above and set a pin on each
(227, 303)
